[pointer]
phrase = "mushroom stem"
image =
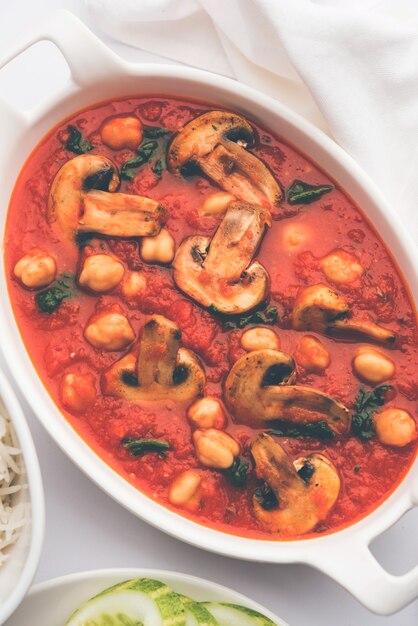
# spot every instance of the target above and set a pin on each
(304, 405)
(120, 215)
(160, 343)
(364, 328)
(236, 241)
(162, 371)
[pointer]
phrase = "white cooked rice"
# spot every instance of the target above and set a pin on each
(13, 514)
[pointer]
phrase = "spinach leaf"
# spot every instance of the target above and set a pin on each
(155, 132)
(237, 473)
(139, 447)
(158, 167)
(266, 497)
(303, 193)
(76, 142)
(143, 155)
(48, 300)
(268, 315)
(366, 403)
(318, 430)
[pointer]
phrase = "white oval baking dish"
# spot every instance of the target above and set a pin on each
(98, 74)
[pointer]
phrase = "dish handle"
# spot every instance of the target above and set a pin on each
(84, 53)
(355, 568)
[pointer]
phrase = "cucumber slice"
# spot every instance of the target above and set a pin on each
(236, 615)
(197, 614)
(139, 602)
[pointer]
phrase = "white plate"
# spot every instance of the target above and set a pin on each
(17, 573)
(51, 603)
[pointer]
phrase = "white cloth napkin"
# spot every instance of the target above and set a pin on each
(350, 66)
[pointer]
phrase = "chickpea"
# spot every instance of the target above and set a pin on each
(78, 391)
(216, 203)
(122, 132)
(341, 267)
(214, 448)
(134, 283)
(158, 249)
(312, 355)
(395, 427)
(109, 331)
(185, 490)
(101, 272)
(373, 366)
(260, 339)
(207, 413)
(36, 269)
(295, 235)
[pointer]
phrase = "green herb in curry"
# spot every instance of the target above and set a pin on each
(237, 473)
(139, 447)
(266, 316)
(365, 405)
(318, 430)
(155, 132)
(76, 142)
(303, 193)
(143, 155)
(48, 300)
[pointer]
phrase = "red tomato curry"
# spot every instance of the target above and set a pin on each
(297, 428)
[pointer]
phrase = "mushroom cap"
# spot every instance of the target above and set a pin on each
(215, 143)
(259, 388)
(319, 308)
(227, 297)
(199, 137)
(64, 203)
(301, 504)
(316, 307)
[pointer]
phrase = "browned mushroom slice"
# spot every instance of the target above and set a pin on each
(259, 388)
(235, 243)
(219, 273)
(82, 199)
(319, 308)
(215, 142)
(161, 371)
(303, 500)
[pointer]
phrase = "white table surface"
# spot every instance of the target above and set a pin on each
(85, 529)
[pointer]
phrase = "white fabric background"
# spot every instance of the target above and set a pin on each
(86, 529)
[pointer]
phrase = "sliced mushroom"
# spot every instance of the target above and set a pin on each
(259, 388)
(82, 199)
(301, 503)
(319, 308)
(219, 272)
(161, 371)
(215, 142)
